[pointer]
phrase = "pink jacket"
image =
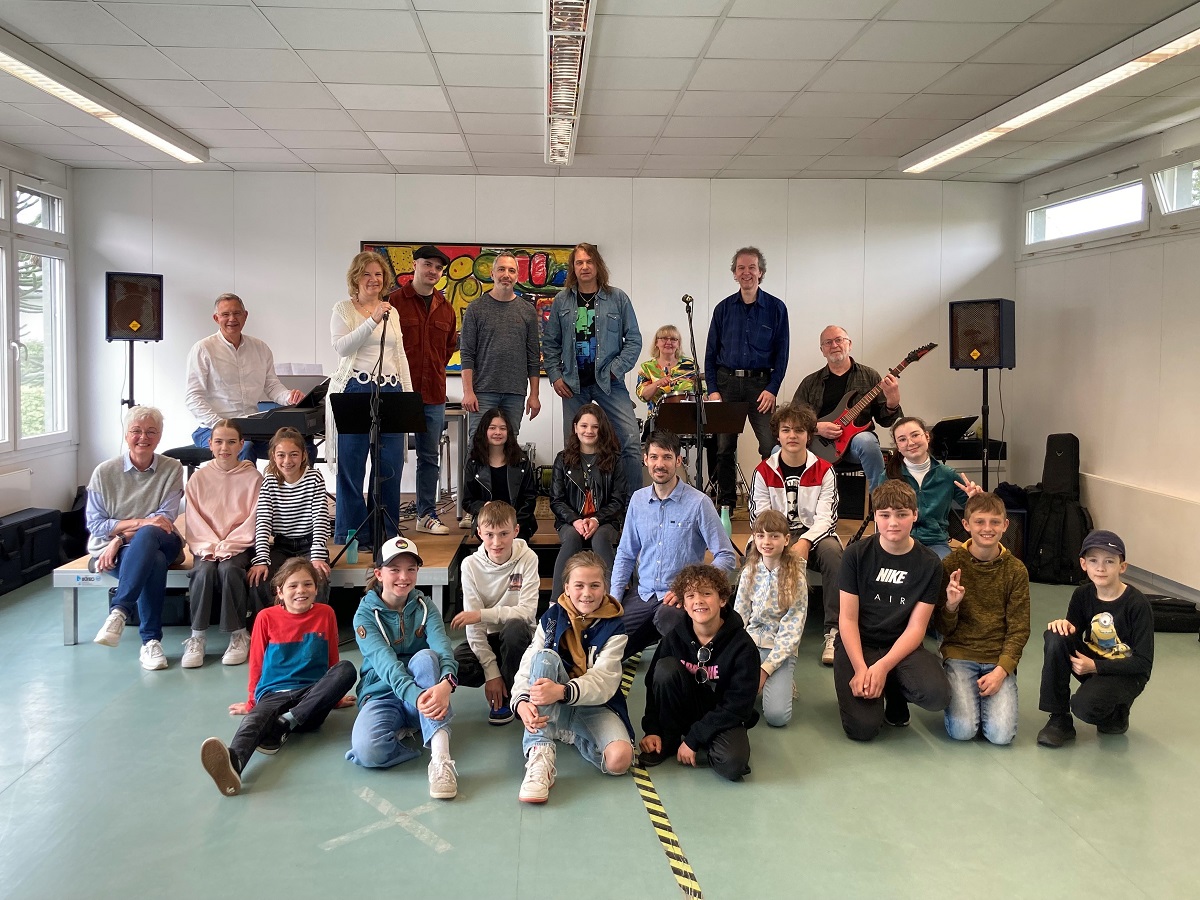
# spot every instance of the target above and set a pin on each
(219, 518)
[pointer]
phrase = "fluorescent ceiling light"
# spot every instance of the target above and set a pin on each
(1054, 104)
(567, 26)
(47, 74)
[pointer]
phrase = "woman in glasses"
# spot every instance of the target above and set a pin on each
(702, 682)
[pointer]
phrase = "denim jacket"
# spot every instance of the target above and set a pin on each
(618, 338)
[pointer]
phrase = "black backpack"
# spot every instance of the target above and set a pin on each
(1058, 522)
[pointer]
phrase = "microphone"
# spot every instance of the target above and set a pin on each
(687, 300)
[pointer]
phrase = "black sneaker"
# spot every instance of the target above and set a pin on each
(1057, 731)
(1117, 723)
(647, 759)
(270, 742)
(895, 708)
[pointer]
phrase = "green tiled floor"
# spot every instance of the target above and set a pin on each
(102, 795)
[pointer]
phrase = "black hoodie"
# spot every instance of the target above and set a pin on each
(733, 683)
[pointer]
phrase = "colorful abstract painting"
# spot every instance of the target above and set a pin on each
(541, 273)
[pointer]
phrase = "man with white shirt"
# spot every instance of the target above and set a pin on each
(228, 373)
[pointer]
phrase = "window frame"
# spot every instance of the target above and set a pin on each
(1089, 189)
(33, 186)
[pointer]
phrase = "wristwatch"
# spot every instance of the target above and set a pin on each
(452, 680)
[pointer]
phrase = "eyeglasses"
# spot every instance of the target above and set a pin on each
(703, 655)
(833, 342)
(137, 433)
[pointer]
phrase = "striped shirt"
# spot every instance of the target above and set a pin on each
(294, 511)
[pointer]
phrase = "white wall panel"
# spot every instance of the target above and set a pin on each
(435, 208)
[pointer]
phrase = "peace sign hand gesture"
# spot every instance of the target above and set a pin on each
(954, 591)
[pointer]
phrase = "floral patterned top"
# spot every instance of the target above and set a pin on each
(758, 604)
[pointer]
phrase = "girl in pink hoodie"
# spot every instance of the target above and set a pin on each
(219, 519)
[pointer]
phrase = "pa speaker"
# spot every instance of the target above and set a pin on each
(133, 306)
(983, 334)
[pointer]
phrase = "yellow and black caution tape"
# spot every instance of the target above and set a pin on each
(680, 867)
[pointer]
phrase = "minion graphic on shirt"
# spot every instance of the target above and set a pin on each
(1103, 639)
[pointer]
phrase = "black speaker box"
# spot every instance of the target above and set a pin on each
(133, 306)
(983, 334)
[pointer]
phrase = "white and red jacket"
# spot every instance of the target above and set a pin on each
(816, 500)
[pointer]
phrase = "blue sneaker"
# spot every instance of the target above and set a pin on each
(501, 716)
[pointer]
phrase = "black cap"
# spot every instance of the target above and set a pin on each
(428, 251)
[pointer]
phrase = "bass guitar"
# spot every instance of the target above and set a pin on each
(832, 449)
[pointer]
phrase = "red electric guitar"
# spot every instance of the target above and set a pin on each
(832, 449)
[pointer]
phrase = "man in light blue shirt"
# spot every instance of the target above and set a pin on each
(668, 525)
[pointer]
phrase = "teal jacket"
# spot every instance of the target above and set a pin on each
(936, 495)
(388, 639)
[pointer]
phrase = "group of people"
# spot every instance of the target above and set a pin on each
(632, 568)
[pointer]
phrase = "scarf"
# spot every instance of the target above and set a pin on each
(609, 608)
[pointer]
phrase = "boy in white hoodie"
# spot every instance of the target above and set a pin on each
(500, 597)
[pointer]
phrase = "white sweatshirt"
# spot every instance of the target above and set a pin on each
(501, 592)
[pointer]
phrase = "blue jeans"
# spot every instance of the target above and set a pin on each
(619, 409)
(374, 743)
(589, 728)
(428, 462)
(967, 710)
(942, 549)
(513, 406)
(141, 570)
(777, 692)
(864, 450)
(251, 450)
(352, 510)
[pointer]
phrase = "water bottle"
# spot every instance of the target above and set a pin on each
(725, 520)
(351, 547)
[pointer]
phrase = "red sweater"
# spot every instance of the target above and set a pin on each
(430, 338)
(289, 651)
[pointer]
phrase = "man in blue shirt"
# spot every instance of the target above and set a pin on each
(668, 525)
(746, 359)
(591, 342)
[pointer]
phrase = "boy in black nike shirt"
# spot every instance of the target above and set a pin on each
(889, 585)
(1106, 641)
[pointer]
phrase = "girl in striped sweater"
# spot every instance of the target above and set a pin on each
(293, 515)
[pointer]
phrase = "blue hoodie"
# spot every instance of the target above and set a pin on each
(388, 639)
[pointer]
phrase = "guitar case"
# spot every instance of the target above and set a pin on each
(1058, 522)
(1060, 470)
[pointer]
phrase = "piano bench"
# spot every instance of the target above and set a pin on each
(191, 457)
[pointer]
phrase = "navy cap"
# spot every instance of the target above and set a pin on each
(428, 251)
(1103, 540)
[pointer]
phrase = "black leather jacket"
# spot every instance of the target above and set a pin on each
(522, 491)
(569, 488)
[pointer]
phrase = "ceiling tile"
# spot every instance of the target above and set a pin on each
(349, 67)
(164, 93)
(491, 70)
(64, 22)
(1043, 129)
(308, 140)
(631, 73)
(142, 153)
(57, 113)
(13, 90)
(816, 127)
(174, 25)
(1153, 81)
(792, 146)
(947, 106)
(38, 134)
(689, 162)
(504, 143)
(1122, 12)
(855, 163)
(230, 137)
(499, 123)
(1041, 43)
(427, 158)
(715, 126)
(270, 167)
(490, 99)
(483, 32)
(1058, 150)
(823, 105)
(346, 29)
(1147, 110)
(253, 154)
(390, 96)
(607, 161)
(352, 157)
(614, 145)
(919, 130)
(676, 173)
(1097, 106)
(229, 64)
(272, 95)
(650, 36)
(828, 175)
(390, 120)
(732, 103)
(781, 39)
(458, 5)
(621, 126)
(762, 164)
(965, 10)
(754, 74)
(104, 135)
(694, 145)
(855, 76)
(994, 78)
(109, 61)
(70, 153)
(381, 169)
(10, 115)
(628, 103)
(390, 140)
(809, 9)
(301, 119)
(924, 41)
(731, 172)
(664, 7)
(1012, 166)
(511, 160)
(876, 147)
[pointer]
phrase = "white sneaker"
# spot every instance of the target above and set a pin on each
(193, 652)
(539, 774)
(431, 525)
(827, 652)
(443, 779)
(238, 650)
(152, 657)
(214, 756)
(110, 632)
(467, 522)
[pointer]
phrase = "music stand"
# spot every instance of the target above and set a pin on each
(398, 413)
(715, 417)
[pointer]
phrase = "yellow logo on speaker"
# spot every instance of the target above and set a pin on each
(975, 354)
(135, 325)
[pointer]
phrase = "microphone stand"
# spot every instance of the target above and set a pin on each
(698, 385)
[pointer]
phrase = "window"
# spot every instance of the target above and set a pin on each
(1178, 188)
(40, 343)
(35, 209)
(1099, 211)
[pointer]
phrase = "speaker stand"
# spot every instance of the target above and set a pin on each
(129, 401)
(984, 410)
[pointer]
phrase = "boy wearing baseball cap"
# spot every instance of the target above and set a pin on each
(1106, 641)
(408, 672)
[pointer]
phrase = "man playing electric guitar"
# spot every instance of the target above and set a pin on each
(824, 389)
